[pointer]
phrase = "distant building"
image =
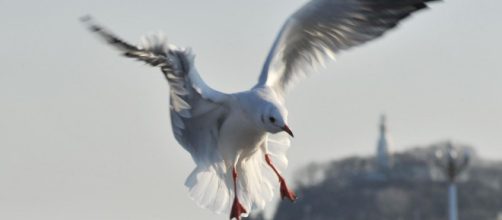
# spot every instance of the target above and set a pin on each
(383, 157)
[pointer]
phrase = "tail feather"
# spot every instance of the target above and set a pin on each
(211, 186)
(277, 148)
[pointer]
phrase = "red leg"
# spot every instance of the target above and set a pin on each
(285, 192)
(237, 208)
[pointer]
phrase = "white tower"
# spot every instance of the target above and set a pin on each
(383, 145)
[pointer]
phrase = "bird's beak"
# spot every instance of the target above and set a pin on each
(287, 130)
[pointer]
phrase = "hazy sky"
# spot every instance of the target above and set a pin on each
(85, 133)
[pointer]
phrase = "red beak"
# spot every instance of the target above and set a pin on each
(287, 130)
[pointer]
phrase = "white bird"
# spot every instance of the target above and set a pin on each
(229, 136)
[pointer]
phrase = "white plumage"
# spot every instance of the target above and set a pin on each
(236, 140)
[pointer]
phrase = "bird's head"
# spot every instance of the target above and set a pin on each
(274, 119)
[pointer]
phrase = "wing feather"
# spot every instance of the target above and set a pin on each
(197, 110)
(322, 28)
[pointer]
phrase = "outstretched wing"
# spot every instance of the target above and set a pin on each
(197, 111)
(322, 28)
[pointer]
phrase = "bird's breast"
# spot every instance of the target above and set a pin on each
(239, 136)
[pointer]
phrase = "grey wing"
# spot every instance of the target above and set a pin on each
(197, 110)
(322, 28)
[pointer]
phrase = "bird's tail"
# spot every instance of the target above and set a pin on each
(211, 186)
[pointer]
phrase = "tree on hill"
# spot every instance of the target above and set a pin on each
(411, 189)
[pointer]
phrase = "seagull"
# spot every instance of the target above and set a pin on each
(237, 140)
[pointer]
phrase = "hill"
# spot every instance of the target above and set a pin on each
(412, 188)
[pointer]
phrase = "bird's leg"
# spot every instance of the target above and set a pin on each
(285, 192)
(237, 208)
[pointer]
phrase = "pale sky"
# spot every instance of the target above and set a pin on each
(85, 133)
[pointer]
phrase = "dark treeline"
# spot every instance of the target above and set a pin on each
(411, 188)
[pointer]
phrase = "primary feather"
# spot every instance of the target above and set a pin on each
(322, 28)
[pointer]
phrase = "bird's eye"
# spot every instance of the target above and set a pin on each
(272, 119)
